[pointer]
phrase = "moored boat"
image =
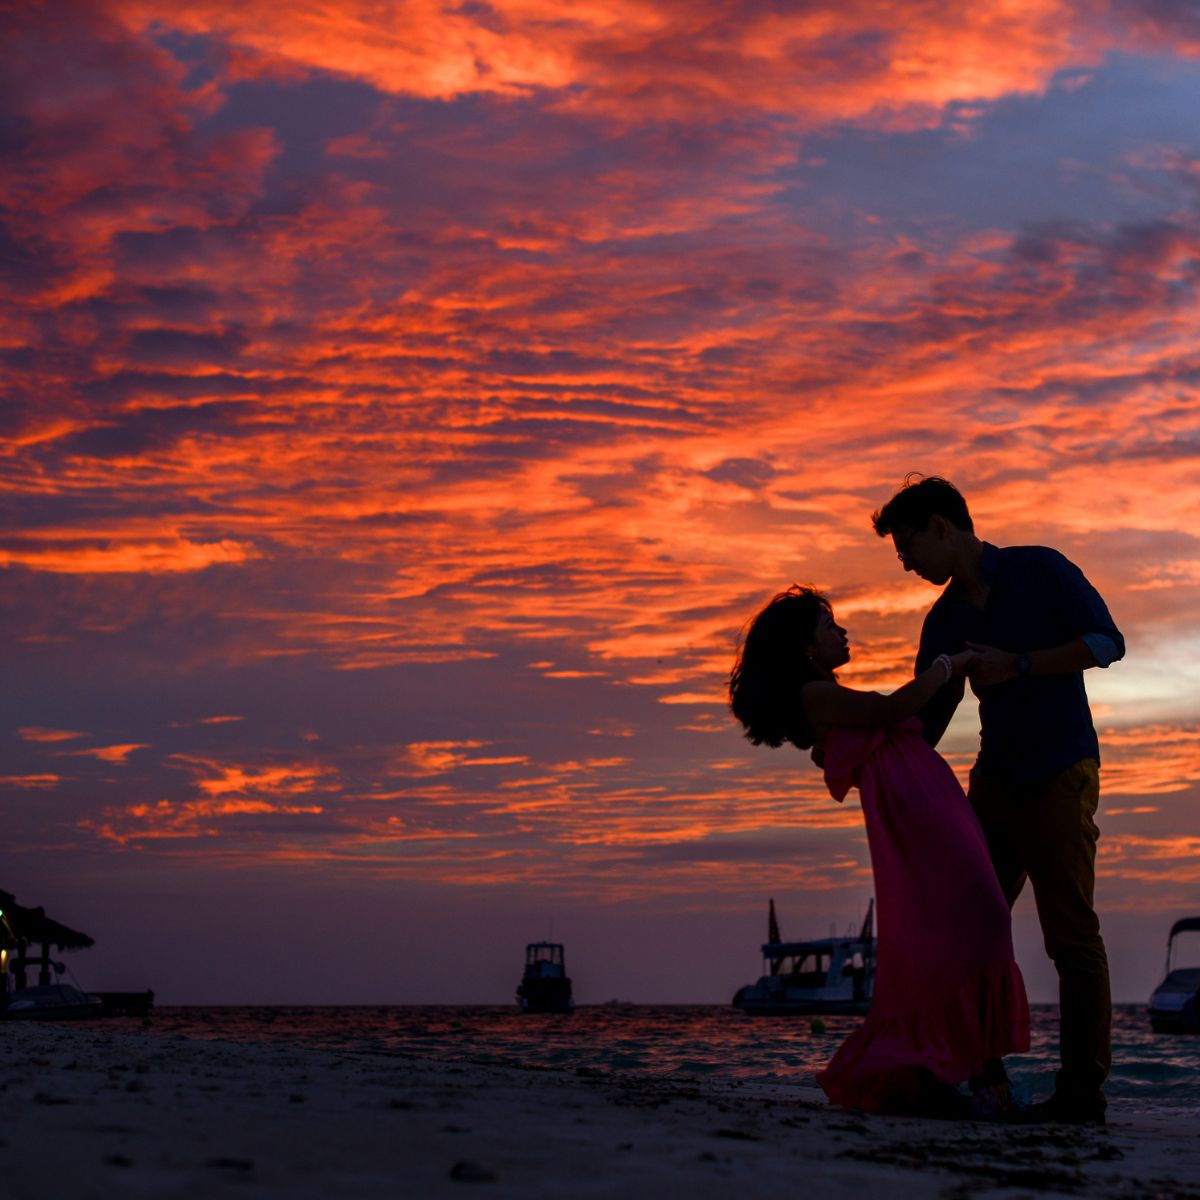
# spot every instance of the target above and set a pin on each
(1175, 1004)
(821, 975)
(545, 987)
(50, 999)
(52, 1002)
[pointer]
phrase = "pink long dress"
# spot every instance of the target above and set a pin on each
(948, 993)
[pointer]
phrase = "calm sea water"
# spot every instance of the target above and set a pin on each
(1150, 1071)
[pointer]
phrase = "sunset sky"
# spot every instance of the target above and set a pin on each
(406, 404)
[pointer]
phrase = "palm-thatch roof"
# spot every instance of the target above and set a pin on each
(32, 926)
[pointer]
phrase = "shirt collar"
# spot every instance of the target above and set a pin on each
(989, 568)
(989, 562)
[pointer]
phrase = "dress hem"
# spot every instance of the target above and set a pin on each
(951, 1036)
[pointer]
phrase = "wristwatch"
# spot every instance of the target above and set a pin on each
(1022, 665)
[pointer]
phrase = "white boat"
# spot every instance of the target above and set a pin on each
(822, 975)
(1175, 1005)
(51, 1002)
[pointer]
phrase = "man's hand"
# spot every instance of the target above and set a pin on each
(962, 663)
(990, 665)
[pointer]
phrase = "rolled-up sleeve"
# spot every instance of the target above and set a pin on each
(1104, 649)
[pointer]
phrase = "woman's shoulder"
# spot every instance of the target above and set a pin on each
(815, 695)
(815, 688)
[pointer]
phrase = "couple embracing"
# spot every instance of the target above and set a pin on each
(1020, 624)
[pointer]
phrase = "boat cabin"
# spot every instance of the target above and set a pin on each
(822, 963)
(820, 975)
(1175, 1005)
(544, 960)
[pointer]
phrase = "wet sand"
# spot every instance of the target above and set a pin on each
(85, 1113)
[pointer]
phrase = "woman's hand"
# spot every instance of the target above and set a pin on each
(960, 663)
(991, 665)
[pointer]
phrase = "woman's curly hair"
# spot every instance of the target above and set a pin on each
(773, 665)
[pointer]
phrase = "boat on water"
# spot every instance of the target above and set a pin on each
(50, 999)
(821, 975)
(1175, 1004)
(544, 986)
(52, 1002)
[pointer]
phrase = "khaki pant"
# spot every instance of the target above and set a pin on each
(1045, 832)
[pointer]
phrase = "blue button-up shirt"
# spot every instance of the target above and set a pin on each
(1035, 726)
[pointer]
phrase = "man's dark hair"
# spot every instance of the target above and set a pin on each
(773, 665)
(922, 497)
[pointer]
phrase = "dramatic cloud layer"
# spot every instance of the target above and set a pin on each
(405, 405)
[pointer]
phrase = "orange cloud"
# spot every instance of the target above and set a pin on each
(111, 754)
(149, 558)
(139, 824)
(1159, 861)
(216, 779)
(1155, 760)
(829, 63)
(436, 758)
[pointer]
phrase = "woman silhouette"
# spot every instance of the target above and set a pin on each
(949, 1001)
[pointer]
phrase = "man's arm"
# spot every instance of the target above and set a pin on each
(992, 666)
(1098, 644)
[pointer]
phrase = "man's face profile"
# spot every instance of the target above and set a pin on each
(924, 552)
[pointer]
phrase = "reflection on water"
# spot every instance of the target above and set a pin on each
(680, 1040)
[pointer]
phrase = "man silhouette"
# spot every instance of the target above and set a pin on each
(1037, 624)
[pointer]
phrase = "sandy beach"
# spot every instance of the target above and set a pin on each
(92, 1114)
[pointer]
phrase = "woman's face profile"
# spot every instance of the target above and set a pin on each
(829, 648)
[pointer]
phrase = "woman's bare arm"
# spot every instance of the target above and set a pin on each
(830, 704)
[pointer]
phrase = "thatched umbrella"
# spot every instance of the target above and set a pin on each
(22, 927)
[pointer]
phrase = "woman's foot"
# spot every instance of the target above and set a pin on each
(996, 1103)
